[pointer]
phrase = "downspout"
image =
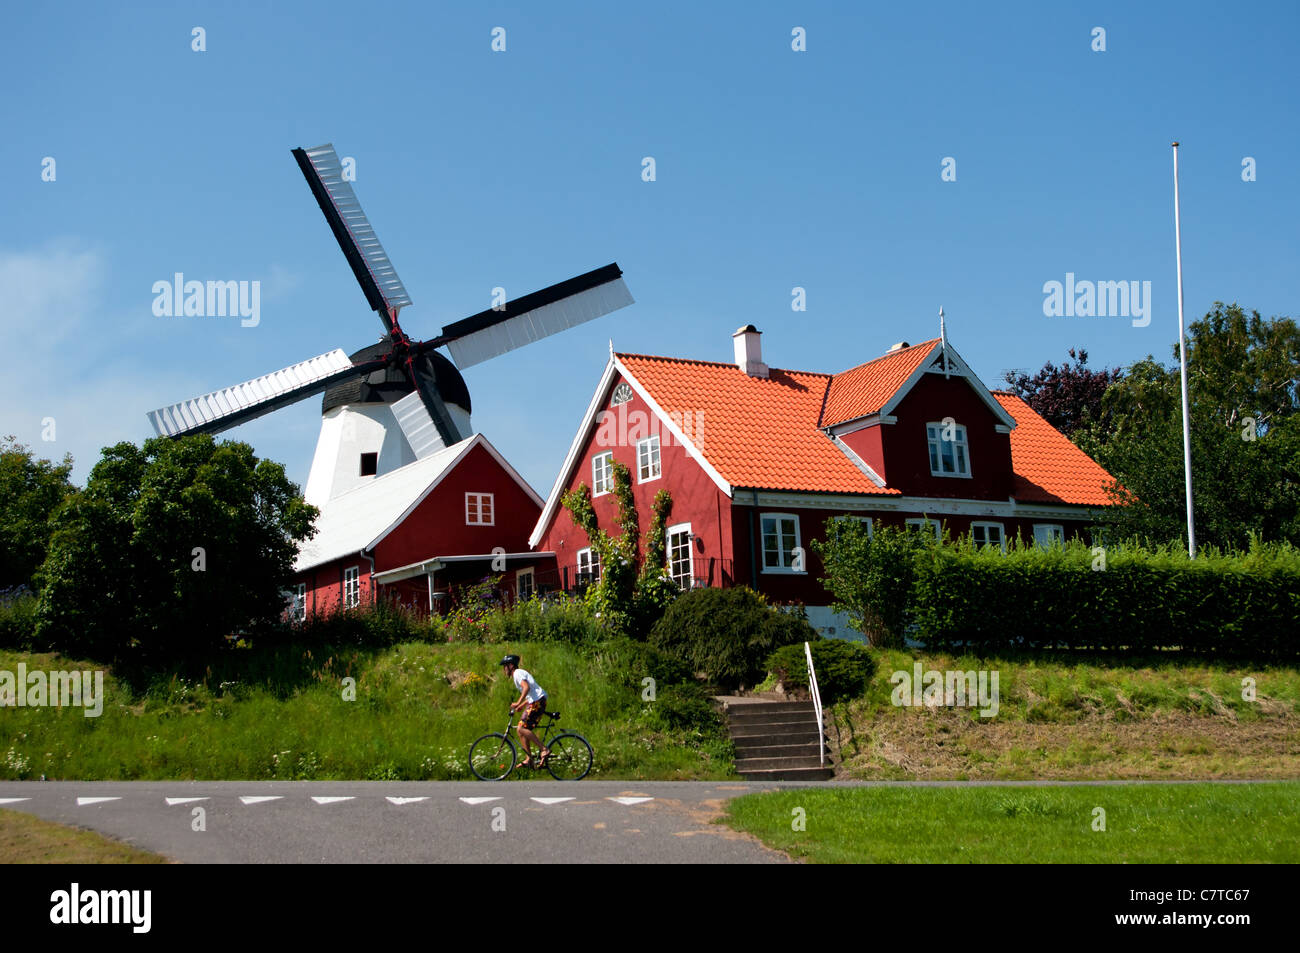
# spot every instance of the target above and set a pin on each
(753, 542)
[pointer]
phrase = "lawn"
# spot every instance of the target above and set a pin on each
(29, 840)
(1144, 823)
(281, 713)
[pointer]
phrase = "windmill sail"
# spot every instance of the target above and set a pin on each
(374, 272)
(535, 316)
(223, 409)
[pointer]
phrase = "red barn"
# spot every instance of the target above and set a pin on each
(757, 459)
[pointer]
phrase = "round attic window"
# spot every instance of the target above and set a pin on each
(622, 394)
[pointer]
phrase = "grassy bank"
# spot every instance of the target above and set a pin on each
(1144, 824)
(29, 840)
(280, 713)
(1063, 716)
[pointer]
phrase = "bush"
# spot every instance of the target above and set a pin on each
(561, 619)
(843, 668)
(17, 618)
(871, 576)
(686, 707)
(727, 634)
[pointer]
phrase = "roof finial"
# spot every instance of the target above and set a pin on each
(943, 343)
(611, 349)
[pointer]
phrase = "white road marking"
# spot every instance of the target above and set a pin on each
(331, 800)
(552, 800)
(630, 800)
(399, 801)
(479, 800)
(13, 800)
(172, 801)
(83, 801)
(259, 798)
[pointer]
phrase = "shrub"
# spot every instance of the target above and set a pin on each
(727, 634)
(686, 707)
(871, 576)
(843, 668)
(17, 618)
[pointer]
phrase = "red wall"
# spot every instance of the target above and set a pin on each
(696, 498)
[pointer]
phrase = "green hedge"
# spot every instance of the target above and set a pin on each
(844, 669)
(1143, 599)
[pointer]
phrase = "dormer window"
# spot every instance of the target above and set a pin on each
(369, 464)
(622, 394)
(949, 454)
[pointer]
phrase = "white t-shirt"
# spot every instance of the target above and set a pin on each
(535, 691)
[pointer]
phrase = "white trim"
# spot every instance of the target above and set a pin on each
(677, 529)
(354, 573)
(532, 583)
(478, 498)
(956, 365)
(857, 461)
(798, 544)
(659, 452)
(922, 522)
(1058, 536)
(897, 503)
(963, 443)
(434, 563)
(609, 475)
(593, 559)
(986, 524)
(300, 610)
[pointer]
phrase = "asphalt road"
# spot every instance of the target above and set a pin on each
(363, 822)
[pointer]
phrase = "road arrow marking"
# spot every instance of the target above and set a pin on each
(630, 800)
(83, 801)
(172, 801)
(552, 800)
(479, 800)
(331, 800)
(13, 800)
(259, 798)
(399, 801)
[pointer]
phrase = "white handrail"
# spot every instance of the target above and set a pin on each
(817, 704)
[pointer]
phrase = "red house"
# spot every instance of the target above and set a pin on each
(757, 459)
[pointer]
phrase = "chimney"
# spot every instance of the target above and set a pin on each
(749, 351)
(899, 346)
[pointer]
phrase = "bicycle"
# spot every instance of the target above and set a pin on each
(493, 756)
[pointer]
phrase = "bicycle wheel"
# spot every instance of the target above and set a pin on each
(492, 757)
(570, 758)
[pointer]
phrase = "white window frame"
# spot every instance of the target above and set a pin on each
(677, 530)
(520, 576)
(607, 470)
(653, 452)
(621, 395)
(780, 540)
(478, 499)
(593, 564)
(300, 602)
(921, 522)
(934, 449)
(986, 526)
(351, 587)
(1053, 532)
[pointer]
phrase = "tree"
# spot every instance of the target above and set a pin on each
(1067, 397)
(870, 574)
(170, 547)
(632, 592)
(30, 491)
(1245, 430)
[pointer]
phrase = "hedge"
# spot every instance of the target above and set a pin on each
(1133, 599)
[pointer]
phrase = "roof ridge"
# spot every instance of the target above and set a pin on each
(730, 364)
(887, 355)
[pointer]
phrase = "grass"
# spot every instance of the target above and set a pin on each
(1144, 824)
(1074, 716)
(29, 840)
(281, 713)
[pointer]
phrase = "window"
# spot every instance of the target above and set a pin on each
(299, 610)
(680, 561)
(647, 459)
(351, 587)
(602, 473)
(369, 464)
(988, 534)
(949, 455)
(922, 524)
(1045, 534)
(588, 566)
(524, 584)
(781, 552)
(622, 394)
(478, 509)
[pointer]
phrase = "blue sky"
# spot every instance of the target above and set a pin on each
(774, 169)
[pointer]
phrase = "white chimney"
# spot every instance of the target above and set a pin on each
(749, 351)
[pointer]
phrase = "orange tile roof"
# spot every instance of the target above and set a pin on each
(1048, 467)
(756, 432)
(864, 389)
(764, 432)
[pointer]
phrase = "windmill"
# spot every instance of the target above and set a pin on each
(398, 365)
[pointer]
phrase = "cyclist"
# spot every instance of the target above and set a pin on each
(532, 700)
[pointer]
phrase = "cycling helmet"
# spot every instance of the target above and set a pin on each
(511, 660)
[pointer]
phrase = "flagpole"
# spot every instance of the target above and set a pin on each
(1182, 360)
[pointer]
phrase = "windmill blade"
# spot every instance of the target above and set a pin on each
(535, 316)
(422, 414)
(374, 272)
(230, 406)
